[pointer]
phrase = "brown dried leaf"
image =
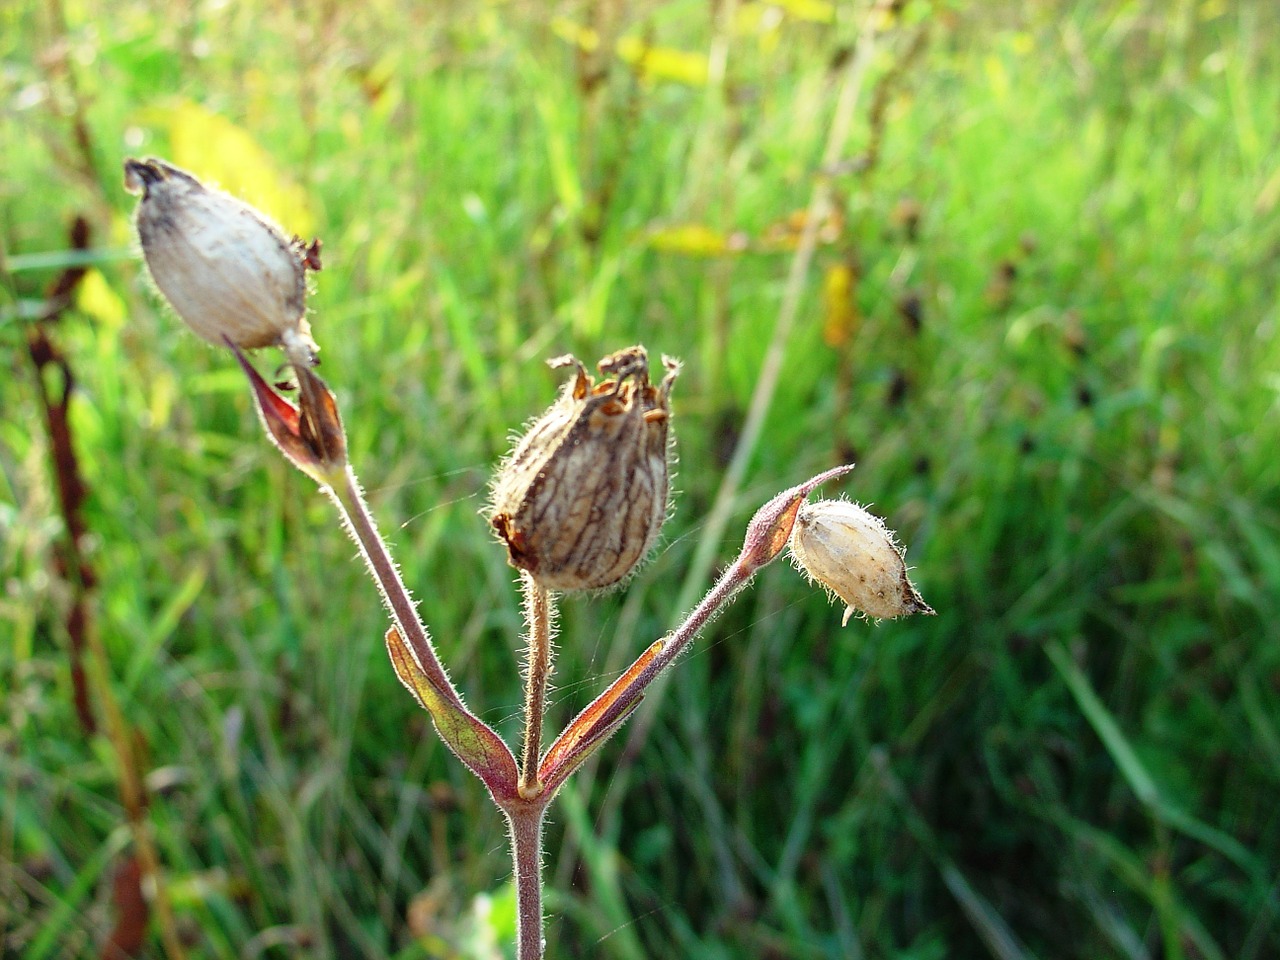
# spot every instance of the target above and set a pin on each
(596, 723)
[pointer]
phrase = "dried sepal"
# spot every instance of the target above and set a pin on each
(227, 270)
(854, 555)
(310, 435)
(580, 501)
(770, 528)
(598, 721)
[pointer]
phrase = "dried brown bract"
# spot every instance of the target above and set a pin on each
(580, 501)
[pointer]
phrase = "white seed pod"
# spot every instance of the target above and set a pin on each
(580, 501)
(226, 269)
(854, 555)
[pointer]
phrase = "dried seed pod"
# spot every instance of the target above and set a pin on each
(854, 555)
(581, 499)
(227, 270)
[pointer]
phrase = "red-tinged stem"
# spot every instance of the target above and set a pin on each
(133, 793)
(767, 535)
(735, 577)
(359, 522)
(524, 820)
(602, 717)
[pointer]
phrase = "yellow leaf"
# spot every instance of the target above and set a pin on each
(764, 22)
(652, 63)
(814, 11)
(998, 77)
(785, 234)
(351, 123)
(217, 150)
(582, 37)
(96, 298)
(695, 240)
(664, 63)
(839, 296)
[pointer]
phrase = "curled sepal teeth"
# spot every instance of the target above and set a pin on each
(580, 501)
(855, 556)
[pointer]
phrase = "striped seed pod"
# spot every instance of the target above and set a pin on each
(580, 501)
(227, 270)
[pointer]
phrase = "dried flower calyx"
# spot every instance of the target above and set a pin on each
(854, 555)
(229, 272)
(581, 500)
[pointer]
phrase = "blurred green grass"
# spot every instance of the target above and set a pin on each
(1076, 758)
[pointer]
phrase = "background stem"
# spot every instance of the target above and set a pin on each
(718, 517)
(133, 794)
(766, 385)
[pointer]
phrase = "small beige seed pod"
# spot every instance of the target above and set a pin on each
(854, 555)
(580, 501)
(226, 269)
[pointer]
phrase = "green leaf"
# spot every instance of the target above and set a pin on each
(1140, 780)
(474, 741)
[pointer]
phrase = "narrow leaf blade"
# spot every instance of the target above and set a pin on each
(597, 722)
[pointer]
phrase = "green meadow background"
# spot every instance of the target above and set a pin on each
(1041, 316)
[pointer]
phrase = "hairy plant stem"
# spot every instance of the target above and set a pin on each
(345, 491)
(524, 822)
(539, 612)
(735, 577)
(524, 815)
